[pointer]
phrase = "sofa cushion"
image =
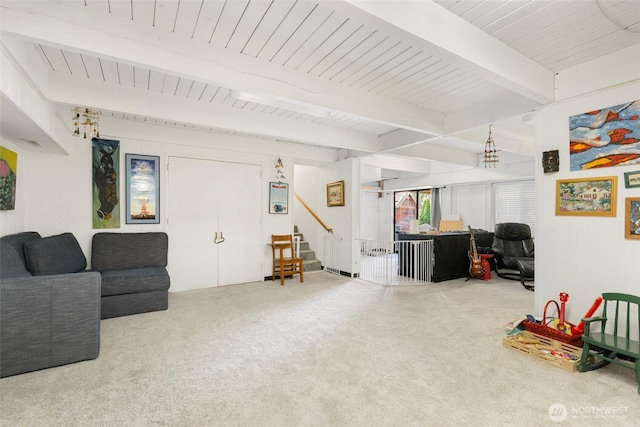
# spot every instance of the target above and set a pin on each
(119, 251)
(12, 266)
(54, 255)
(134, 280)
(18, 240)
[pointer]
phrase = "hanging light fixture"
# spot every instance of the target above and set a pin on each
(490, 154)
(88, 119)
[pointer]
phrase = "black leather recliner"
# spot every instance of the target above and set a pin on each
(513, 250)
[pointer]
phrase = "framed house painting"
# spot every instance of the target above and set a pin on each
(586, 196)
(335, 194)
(632, 218)
(143, 189)
(278, 197)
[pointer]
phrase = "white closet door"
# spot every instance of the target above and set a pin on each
(240, 218)
(193, 221)
(208, 198)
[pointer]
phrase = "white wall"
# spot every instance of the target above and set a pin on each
(386, 215)
(54, 191)
(376, 215)
(369, 223)
(306, 178)
(467, 192)
(311, 186)
(583, 256)
(462, 176)
(473, 203)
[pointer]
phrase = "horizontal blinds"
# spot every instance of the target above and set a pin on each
(515, 201)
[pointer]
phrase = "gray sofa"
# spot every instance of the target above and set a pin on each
(49, 304)
(134, 275)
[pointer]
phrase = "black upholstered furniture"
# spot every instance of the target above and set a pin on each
(49, 303)
(513, 250)
(450, 253)
(134, 275)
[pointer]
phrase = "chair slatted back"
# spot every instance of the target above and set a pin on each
(624, 306)
(282, 243)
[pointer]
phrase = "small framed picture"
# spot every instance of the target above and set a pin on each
(632, 179)
(335, 194)
(632, 218)
(278, 198)
(586, 196)
(143, 189)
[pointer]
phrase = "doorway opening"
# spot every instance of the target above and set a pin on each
(412, 209)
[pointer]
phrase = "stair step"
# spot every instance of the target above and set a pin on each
(304, 246)
(307, 255)
(312, 265)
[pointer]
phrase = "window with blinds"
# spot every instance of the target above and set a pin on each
(515, 201)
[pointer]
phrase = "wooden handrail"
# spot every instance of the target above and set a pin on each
(313, 214)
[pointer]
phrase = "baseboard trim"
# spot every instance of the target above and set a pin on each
(342, 273)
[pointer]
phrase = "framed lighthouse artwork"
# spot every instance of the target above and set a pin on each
(143, 189)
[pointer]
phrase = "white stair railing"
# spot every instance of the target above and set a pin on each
(296, 244)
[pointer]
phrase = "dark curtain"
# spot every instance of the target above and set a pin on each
(436, 214)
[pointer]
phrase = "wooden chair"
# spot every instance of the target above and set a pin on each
(285, 262)
(621, 312)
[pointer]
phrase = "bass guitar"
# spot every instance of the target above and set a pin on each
(476, 269)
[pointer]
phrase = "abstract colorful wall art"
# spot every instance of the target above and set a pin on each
(8, 175)
(605, 137)
(106, 183)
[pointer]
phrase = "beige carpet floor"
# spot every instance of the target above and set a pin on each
(333, 351)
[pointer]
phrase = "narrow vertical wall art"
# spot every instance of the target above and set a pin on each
(106, 183)
(143, 189)
(8, 175)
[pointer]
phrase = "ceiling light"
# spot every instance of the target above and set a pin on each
(490, 155)
(280, 103)
(88, 119)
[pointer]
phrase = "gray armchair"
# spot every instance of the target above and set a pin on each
(46, 320)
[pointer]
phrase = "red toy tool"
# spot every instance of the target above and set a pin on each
(578, 330)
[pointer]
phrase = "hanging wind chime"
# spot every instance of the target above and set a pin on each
(490, 154)
(279, 174)
(88, 119)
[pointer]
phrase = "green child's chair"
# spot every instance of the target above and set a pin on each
(617, 338)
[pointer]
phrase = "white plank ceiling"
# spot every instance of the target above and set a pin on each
(368, 75)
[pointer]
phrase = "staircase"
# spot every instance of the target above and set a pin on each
(310, 262)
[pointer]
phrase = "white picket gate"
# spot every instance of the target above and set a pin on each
(332, 252)
(406, 262)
